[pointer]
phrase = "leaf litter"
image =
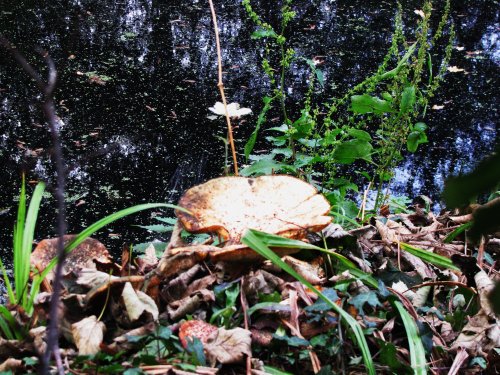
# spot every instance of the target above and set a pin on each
(189, 312)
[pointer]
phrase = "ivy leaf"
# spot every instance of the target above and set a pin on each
(369, 297)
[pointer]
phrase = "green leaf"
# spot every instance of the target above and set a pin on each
(273, 371)
(349, 151)
(265, 167)
(369, 297)
(252, 239)
(435, 259)
(263, 33)
(414, 139)
(292, 341)
(369, 104)
(260, 120)
(359, 134)
(462, 228)
(408, 99)
(416, 347)
(420, 127)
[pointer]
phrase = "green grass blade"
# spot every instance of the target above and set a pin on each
(7, 323)
(272, 240)
(435, 259)
(27, 245)
(8, 285)
(417, 351)
(462, 228)
(18, 242)
(37, 280)
(253, 241)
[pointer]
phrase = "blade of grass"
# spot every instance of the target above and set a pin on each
(253, 241)
(435, 259)
(18, 241)
(4, 327)
(27, 244)
(11, 324)
(8, 285)
(417, 351)
(37, 279)
(462, 228)
(272, 240)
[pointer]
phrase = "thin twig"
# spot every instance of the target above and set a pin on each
(48, 108)
(220, 85)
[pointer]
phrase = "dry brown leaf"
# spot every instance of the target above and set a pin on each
(228, 206)
(82, 256)
(312, 272)
(10, 365)
(88, 334)
(479, 335)
(137, 302)
(149, 260)
(229, 346)
(91, 278)
(484, 287)
(38, 336)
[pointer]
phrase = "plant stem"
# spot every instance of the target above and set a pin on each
(220, 85)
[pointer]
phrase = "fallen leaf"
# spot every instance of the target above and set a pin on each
(437, 107)
(92, 278)
(88, 334)
(10, 365)
(137, 302)
(229, 346)
(82, 256)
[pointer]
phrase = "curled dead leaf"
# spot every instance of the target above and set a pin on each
(137, 302)
(88, 334)
(229, 346)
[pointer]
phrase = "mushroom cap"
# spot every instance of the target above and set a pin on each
(278, 204)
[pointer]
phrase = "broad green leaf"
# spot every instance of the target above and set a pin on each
(416, 347)
(420, 127)
(369, 104)
(265, 167)
(350, 151)
(414, 139)
(252, 239)
(263, 33)
(359, 134)
(407, 100)
(435, 259)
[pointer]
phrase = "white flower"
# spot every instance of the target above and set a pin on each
(233, 109)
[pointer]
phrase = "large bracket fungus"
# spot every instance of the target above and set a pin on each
(227, 206)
